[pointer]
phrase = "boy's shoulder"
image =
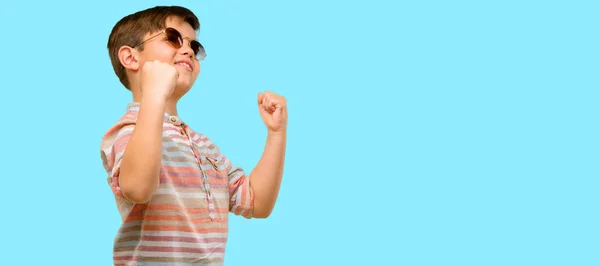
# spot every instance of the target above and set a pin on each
(128, 119)
(126, 123)
(121, 126)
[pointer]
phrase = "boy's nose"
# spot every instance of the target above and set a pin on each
(186, 49)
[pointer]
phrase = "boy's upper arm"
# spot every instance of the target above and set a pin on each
(241, 198)
(112, 149)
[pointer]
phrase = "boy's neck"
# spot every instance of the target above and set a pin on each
(171, 107)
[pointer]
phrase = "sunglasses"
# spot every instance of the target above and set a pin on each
(176, 41)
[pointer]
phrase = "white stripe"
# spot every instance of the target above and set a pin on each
(210, 255)
(180, 164)
(172, 130)
(174, 263)
(179, 153)
(173, 143)
(196, 137)
(189, 195)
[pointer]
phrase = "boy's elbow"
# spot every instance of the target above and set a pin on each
(136, 196)
(261, 215)
(262, 212)
(136, 193)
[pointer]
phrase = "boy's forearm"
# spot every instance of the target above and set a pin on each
(266, 176)
(140, 166)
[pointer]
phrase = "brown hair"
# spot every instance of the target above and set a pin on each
(131, 29)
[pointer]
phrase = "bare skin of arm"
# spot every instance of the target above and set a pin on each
(266, 176)
(140, 166)
(265, 179)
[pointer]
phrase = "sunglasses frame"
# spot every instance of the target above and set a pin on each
(201, 51)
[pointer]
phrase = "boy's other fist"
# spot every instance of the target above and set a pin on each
(273, 111)
(158, 80)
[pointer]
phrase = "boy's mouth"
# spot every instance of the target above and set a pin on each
(185, 64)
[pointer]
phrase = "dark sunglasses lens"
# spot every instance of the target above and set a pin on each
(198, 49)
(174, 38)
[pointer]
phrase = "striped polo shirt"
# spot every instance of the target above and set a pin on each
(185, 221)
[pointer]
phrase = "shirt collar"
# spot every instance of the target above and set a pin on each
(134, 107)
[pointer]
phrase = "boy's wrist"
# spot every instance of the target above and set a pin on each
(154, 100)
(276, 134)
(154, 105)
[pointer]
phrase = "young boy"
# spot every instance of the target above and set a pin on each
(173, 187)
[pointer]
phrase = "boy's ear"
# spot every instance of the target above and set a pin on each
(129, 58)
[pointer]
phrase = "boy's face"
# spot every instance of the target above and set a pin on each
(159, 49)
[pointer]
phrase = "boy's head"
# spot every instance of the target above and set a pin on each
(164, 33)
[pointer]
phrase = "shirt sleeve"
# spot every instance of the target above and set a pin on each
(241, 198)
(112, 149)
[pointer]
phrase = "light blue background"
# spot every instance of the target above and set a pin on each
(420, 132)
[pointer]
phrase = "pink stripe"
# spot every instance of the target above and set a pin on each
(192, 184)
(185, 239)
(126, 258)
(121, 142)
(182, 249)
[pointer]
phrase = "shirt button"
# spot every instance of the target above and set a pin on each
(173, 119)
